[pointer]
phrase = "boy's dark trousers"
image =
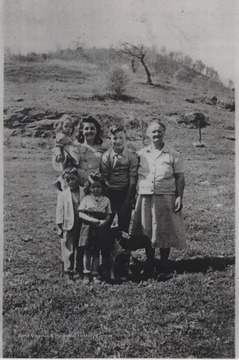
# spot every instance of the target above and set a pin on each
(79, 260)
(117, 198)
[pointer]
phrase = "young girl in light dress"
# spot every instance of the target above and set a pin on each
(95, 212)
(69, 156)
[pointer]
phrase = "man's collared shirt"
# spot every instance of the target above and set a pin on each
(119, 170)
(156, 170)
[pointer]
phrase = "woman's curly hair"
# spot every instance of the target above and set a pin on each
(90, 119)
(94, 176)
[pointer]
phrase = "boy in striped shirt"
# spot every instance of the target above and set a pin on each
(119, 168)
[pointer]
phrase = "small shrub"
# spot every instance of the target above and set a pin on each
(117, 81)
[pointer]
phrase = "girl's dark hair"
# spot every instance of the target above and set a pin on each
(70, 170)
(90, 119)
(63, 119)
(94, 176)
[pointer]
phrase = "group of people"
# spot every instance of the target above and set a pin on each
(96, 183)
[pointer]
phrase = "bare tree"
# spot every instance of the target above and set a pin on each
(178, 57)
(171, 55)
(137, 52)
(199, 66)
(188, 61)
(163, 51)
(230, 83)
(215, 75)
(210, 72)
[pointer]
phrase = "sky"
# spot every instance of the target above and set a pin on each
(202, 29)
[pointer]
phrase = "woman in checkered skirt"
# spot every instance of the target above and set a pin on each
(160, 195)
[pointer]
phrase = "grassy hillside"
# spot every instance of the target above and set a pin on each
(191, 314)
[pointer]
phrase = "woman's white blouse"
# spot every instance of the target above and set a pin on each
(156, 170)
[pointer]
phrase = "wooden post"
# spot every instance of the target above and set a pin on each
(142, 129)
(200, 131)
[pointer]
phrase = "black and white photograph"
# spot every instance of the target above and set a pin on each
(118, 179)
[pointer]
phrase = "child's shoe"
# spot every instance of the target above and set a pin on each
(96, 279)
(86, 279)
(71, 274)
(68, 277)
(77, 276)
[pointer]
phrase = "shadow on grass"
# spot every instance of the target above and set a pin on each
(123, 98)
(160, 86)
(198, 265)
(164, 87)
(105, 97)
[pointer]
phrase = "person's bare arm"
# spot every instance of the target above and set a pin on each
(105, 222)
(86, 217)
(180, 184)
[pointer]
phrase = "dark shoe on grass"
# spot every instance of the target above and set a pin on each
(71, 274)
(164, 276)
(68, 276)
(149, 272)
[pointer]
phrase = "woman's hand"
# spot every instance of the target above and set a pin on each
(125, 206)
(60, 230)
(58, 153)
(96, 222)
(129, 202)
(132, 203)
(178, 204)
(60, 158)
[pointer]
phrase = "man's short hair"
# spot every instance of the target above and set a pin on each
(117, 128)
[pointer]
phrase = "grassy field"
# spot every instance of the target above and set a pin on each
(191, 314)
